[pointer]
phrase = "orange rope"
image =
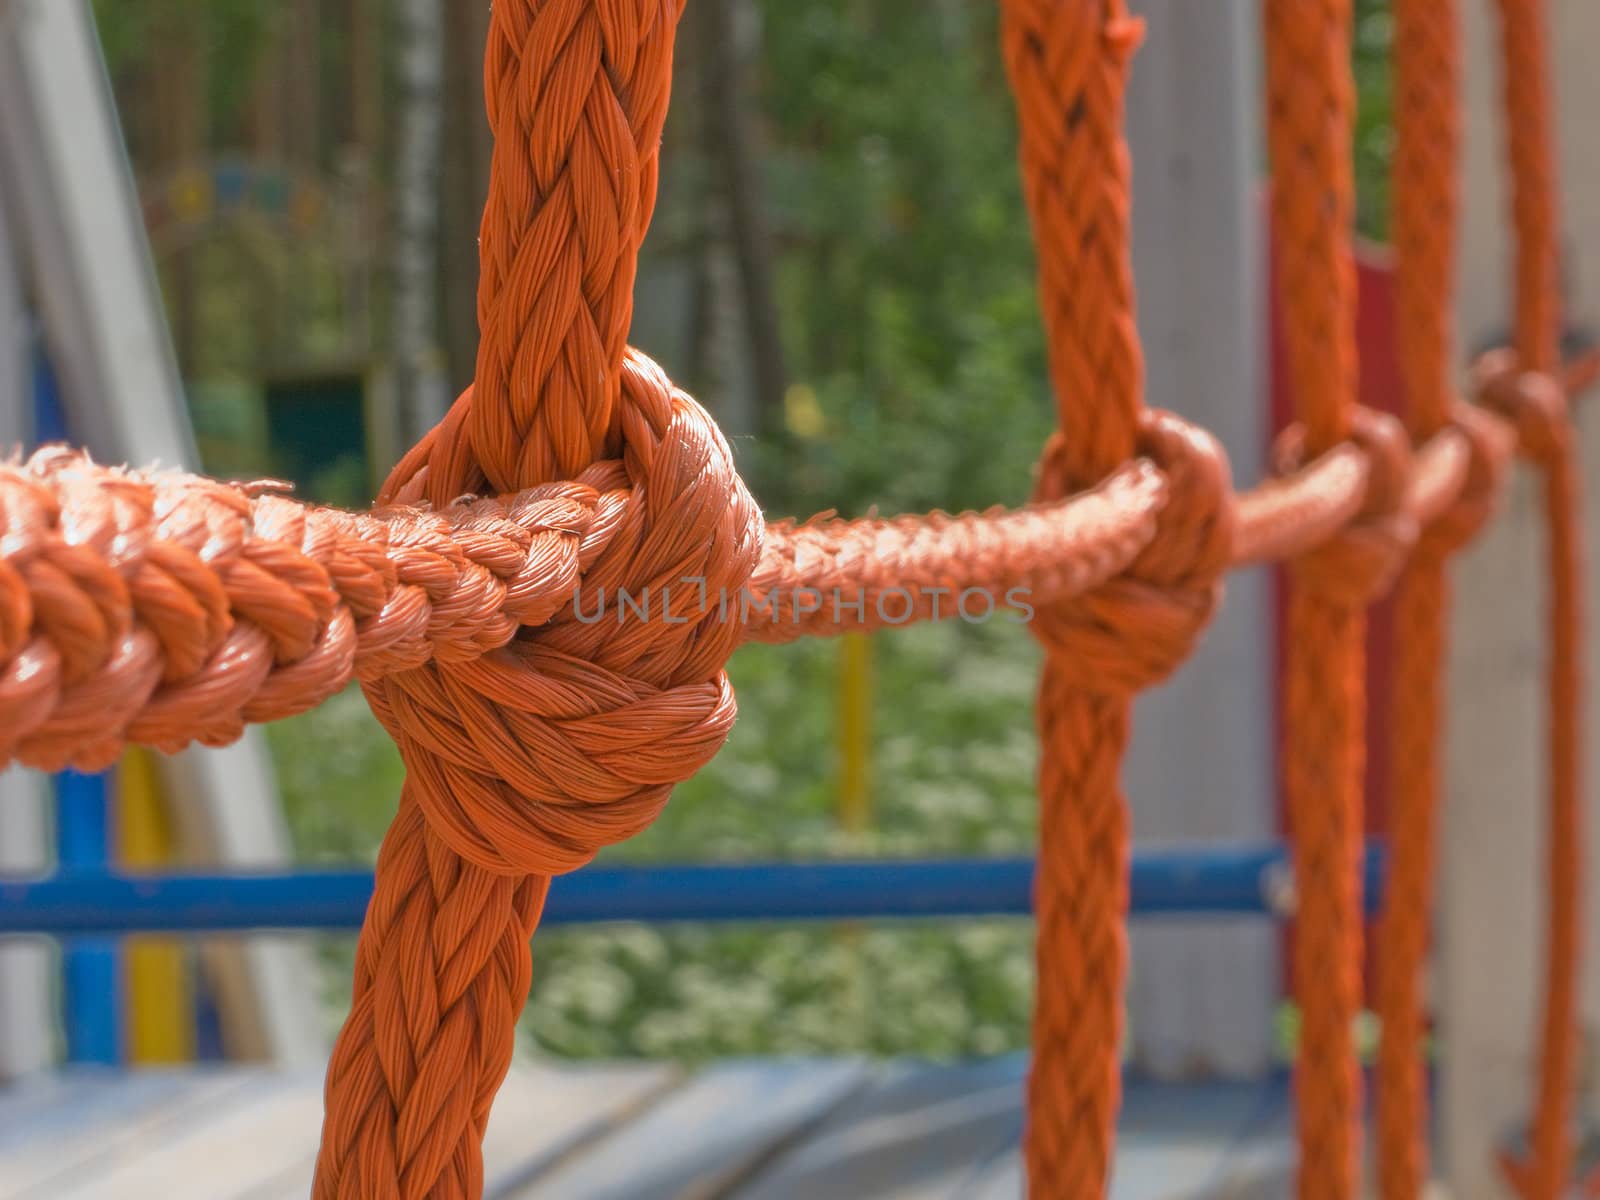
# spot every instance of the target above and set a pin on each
(1527, 386)
(1426, 113)
(526, 761)
(1068, 65)
(1309, 119)
(161, 608)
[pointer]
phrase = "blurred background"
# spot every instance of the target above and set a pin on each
(840, 268)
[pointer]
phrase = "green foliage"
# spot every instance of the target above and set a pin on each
(954, 768)
(954, 761)
(1374, 39)
(340, 778)
(906, 269)
(233, 33)
(700, 993)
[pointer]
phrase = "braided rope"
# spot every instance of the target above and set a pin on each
(176, 608)
(163, 608)
(1068, 65)
(1526, 386)
(1309, 120)
(1426, 112)
(1530, 153)
(527, 761)
(1536, 405)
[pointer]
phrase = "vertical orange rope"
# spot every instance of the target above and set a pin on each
(1310, 103)
(1427, 136)
(1525, 83)
(1067, 61)
(1548, 439)
(577, 95)
(1552, 1140)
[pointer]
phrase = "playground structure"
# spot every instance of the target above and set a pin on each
(463, 618)
(91, 317)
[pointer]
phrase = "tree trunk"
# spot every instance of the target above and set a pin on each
(304, 97)
(419, 387)
(731, 145)
(180, 87)
(465, 185)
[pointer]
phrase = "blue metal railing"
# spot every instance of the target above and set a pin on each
(1228, 881)
(91, 976)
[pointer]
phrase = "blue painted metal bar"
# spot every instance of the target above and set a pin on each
(91, 978)
(1210, 882)
(49, 418)
(91, 974)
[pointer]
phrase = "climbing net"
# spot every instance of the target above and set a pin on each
(163, 608)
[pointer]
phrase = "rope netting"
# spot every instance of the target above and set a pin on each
(162, 608)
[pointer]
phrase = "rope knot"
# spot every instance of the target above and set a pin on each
(1533, 401)
(534, 756)
(1359, 563)
(1137, 629)
(1490, 444)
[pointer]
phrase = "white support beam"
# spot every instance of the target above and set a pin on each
(27, 1032)
(1202, 997)
(1492, 901)
(69, 188)
(74, 195)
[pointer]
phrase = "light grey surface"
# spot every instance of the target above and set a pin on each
(738, 1130)
(715, 1130)
(251, 1133)
(1201, 766)
(919, 1130)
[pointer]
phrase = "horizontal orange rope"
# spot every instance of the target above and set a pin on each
(162, 608)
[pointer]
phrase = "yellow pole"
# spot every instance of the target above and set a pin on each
(160, 1014)
(855, 733)
(854, 717)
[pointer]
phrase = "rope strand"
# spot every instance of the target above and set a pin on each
(1309, 120)
(1068, 65)
(1427, 135)
(577, 95)
(1539, 406)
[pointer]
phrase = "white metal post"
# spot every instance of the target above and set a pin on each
(26, 1029)
(1202, 997)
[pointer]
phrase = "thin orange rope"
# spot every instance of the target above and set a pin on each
(160, 608)
(1309, 124)
(1427, 119)
(1527, 385)
(1068, 63)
